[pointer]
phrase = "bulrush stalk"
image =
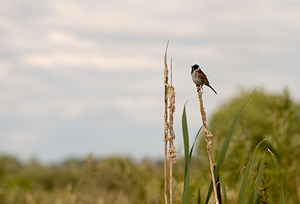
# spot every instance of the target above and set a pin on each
(166, 126)
(172, 151)
(208, 139)
(169, 135)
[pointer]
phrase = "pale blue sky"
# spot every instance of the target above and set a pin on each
(80, 77)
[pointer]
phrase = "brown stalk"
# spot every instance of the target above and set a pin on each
(166, 126)
(172, 151)
(208, 139)
(169, 135)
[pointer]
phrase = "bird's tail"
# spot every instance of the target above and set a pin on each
(211, 88)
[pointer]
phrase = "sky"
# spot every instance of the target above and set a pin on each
(86, 77)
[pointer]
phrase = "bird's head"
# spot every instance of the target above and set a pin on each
(194, 67)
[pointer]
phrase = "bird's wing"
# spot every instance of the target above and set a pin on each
(202, 76)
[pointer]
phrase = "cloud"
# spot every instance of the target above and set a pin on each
(143, 109)
(98, 61)
(6, 66)
(67, 39)
(19, 139)
(101, 63)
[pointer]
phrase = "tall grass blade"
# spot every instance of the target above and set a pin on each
(259, 179)
(185, 196)
(188, 157)
(224, 149)
(185, 134)
(241, 195)
(258, 183)
(191, 151)
(199, 196)
(278, 168)
(223, 189)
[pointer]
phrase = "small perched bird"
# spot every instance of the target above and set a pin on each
(199, 77)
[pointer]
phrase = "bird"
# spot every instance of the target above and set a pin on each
(199, 77)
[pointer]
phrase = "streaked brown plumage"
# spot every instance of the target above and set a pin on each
(199, 77)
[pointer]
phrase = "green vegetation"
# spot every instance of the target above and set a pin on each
(272, 116)
(248, 170)
(257, 178)
(109, 180)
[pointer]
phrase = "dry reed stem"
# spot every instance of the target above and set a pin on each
(208, 138)
(169, 135)
(172, 151)
(166, 126)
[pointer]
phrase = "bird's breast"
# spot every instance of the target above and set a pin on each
(197, 79)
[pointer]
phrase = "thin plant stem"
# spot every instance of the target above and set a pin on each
(208, 139)
(172, 151)
(166, 126)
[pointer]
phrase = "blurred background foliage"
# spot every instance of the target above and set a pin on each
(108, 180)
(267, 115)
(124, 180)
